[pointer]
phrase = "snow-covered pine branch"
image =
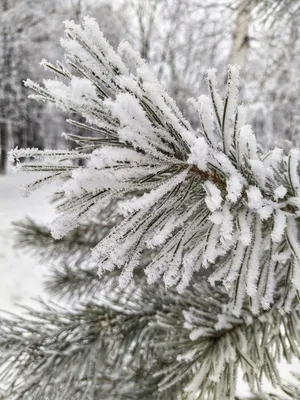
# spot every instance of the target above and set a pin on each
(207, 198)
(54, 352)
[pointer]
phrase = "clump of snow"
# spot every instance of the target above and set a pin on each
(255, 198)
(280, 192)
(199, 154)
(213, 199)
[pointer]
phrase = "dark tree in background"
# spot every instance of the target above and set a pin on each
(20, 119)
(28, 30)
(5, 89)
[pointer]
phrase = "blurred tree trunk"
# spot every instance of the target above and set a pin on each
(240, 42)
(3, 144)
(5, 88)
(3, 121)
(78, 10)
(146, 13)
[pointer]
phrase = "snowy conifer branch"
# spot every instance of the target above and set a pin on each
(37, 154)
(192, 341)
(73, 248)
(201, 199)
(72, 275)
(292, 389)
(57, 354)
(221, 343)
(75, 282)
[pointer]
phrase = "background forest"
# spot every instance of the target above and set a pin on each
(180, 39)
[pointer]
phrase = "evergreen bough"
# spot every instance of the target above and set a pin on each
(155, 194)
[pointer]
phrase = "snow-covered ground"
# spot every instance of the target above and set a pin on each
(21, 275)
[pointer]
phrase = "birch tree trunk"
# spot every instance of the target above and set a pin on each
(240, 40)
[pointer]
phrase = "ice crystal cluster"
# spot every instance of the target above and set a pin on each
(205, 198)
